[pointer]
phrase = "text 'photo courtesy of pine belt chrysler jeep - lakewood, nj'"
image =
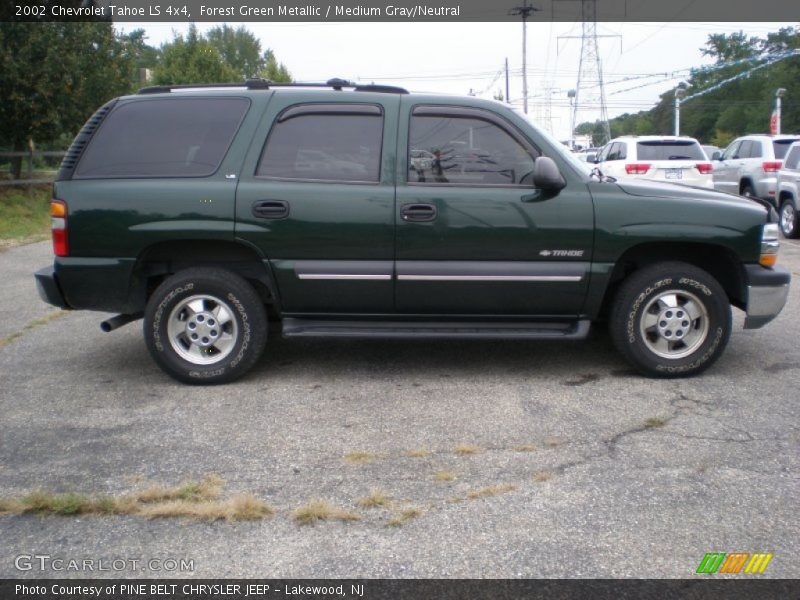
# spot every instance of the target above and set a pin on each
(345, 210)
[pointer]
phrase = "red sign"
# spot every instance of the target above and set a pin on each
(773, 122)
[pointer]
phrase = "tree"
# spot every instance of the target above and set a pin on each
(238, 48)
(53, 76)
(192, 59)
(273, 70)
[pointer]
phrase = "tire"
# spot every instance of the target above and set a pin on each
(217, 308)
(661, 342)
(790, 220)
(748, 191)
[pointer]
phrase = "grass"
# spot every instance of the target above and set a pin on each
(374, 499)
(418, 453)
(404, 516)
(655, 422)
(359, 457)
(321, 510)
(466, 449)
(32, 325)
(444, 476)
(24, 214)
(542, 476)
(194, 499)
(493, 490)
(525, 448)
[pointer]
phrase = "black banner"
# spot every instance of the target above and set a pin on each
(409, 11)
(398, 589)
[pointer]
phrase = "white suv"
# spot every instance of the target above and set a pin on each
(657, 157)
(750, 165)
(788, 190)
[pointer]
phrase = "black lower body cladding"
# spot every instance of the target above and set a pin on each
(205, 325)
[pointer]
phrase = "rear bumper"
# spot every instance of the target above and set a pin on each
(767, 290)
(48, 288)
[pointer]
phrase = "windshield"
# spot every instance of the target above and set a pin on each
(781, 146)
(581, 165)
(669, 150)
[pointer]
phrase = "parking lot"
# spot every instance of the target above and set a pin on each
(521, 459)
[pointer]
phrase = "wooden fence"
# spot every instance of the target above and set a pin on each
(28, 158)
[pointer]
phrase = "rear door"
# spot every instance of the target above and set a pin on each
(316, 196)
(474, 237)
(726, 170)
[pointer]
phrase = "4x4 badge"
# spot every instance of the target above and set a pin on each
(561, 253)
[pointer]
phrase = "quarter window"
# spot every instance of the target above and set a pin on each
(338, 143)
(464, 150)
(166, 137)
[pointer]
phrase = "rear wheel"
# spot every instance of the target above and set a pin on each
(671, 320)
(205, 325)
(748, 191)
(790, 224)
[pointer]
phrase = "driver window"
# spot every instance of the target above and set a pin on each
(730, 151)
(464, 150)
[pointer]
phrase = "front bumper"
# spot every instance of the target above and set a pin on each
(767, 290)
(48, 288)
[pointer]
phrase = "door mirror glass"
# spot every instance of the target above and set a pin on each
(591, 157)
(717, 155)
(546, 175)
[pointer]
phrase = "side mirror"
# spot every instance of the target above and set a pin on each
(546, 175)
(591, 158)
(717, 155)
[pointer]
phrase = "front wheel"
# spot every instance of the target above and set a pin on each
(671, 320)
(205, 325)
(790, 223)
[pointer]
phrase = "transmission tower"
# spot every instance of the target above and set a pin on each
(590, 93)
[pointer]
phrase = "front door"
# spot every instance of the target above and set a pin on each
(473, 234)
(316, 196)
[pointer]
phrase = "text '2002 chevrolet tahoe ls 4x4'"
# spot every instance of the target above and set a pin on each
(345, 210)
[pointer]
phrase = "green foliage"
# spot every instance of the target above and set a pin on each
(739, 107)
(24, 214)
(54, 75)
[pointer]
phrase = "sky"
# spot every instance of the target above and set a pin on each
(639, 60)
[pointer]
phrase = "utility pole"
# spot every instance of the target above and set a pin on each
(779, 93)
(590, 93)
(524, 11)
(679, 94)
(508, 97)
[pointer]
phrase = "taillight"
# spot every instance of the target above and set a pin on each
(58, 212)
(772, 166)
(704, 168)
(637, 168)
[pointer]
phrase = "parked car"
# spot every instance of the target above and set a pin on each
(660, 158)
(788, 189)
(209, 211)
(750, 164)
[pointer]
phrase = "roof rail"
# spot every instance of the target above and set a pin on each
(266, 84)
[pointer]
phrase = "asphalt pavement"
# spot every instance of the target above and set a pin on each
(607, 474)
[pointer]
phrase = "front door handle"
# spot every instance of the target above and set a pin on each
(270, 209)
(418, 212)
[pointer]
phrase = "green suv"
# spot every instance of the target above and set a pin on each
(346, 210)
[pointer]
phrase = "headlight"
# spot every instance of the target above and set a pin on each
(770, 245)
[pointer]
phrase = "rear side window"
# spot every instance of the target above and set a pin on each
(793, 158)
(325, 143)
(164, 137)
(464, 150)
(669, 150)
(781, 147)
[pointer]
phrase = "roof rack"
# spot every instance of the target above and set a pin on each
(266, 84)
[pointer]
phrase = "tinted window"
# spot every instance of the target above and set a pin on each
(731, 151)
(170, 137)
(755, 150)
(466, 151)
(669, 150)
(793, 159)
(781, 146)
(326, 147)
(744, 149)
(603, 156)
(618, 151)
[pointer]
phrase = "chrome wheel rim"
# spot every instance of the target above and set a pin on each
(674, 324)
(787, 219)
(202, 329)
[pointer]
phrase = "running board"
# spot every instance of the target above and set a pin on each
(572, 330)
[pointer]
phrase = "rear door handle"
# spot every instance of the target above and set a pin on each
(270, 209)
(418, 212)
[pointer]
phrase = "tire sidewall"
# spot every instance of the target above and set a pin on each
(168, 296)
(794, 224)
(716, 304)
